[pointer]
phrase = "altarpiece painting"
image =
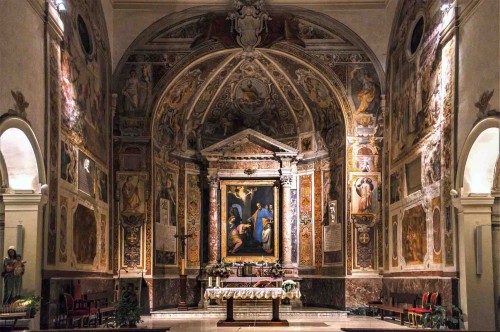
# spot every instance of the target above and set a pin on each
(250, 220)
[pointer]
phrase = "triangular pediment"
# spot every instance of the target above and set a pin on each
(249, 143)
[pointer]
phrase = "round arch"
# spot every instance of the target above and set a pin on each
(476, 165)
(171, 20)
(16, 160)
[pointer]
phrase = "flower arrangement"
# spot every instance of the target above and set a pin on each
(276, 270)
(288, 286)
(221, 270)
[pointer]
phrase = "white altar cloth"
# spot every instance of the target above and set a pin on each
(238, 293)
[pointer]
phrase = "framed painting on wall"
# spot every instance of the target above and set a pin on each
(250, 220)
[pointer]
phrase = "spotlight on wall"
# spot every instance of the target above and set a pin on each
(60, 5)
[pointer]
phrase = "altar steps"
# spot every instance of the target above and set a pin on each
(259, 311)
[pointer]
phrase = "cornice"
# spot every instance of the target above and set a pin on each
(332, 4)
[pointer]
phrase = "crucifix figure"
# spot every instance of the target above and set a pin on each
(183, 237)
(183, 277)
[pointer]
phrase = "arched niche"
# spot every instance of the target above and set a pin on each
(22, 162)
(476, 167)
(23, 173)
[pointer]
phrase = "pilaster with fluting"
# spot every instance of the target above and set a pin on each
(213, 226)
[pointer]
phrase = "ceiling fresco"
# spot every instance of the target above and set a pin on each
(199, 80)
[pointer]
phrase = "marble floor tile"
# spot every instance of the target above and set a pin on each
(303, 325)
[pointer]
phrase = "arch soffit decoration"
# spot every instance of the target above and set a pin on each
(480, 127)
(332, 82)
(12, 122)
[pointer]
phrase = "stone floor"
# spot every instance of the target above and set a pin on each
(318, 324)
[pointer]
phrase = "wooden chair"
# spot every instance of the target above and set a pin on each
(425, 309)
(411, 311)
(78, 310)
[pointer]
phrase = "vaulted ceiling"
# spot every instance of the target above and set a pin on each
(303, 79)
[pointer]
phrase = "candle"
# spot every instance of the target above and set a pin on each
(183, 272)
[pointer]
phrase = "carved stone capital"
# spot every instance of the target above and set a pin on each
(286, 180)
(213, 181)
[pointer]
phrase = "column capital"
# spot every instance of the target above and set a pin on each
(213, 180)
(286, 180)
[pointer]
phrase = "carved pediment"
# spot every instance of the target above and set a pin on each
(248, 144)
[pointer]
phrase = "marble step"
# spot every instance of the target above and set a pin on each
(219, 312)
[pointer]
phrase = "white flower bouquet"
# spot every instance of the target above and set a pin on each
(288, 285)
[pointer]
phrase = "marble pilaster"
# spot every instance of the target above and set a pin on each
(286, 182)
(213, 223)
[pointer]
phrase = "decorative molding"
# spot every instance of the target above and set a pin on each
(334, 4)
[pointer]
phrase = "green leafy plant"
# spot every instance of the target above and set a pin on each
(30, 304)
(127, 314)
(450, 317)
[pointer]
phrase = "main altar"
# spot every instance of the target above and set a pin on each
(253, 174)
(250, 293)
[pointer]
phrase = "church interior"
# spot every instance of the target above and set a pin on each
(163, 154)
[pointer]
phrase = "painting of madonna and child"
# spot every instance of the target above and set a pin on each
(250, 219)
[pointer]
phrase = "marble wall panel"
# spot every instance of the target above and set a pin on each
(358, 291)
(323, 292)
(166, 293)
(447, 287)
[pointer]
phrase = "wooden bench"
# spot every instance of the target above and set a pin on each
(103, 302)
(399, 304)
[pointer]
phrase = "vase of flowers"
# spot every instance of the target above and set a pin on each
(276, 270)
(219, 271)
(288, 286)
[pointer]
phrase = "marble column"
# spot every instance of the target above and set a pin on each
(286, 182)
(213, 225)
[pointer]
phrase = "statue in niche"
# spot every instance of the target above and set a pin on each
(131, 93)
(144, 87)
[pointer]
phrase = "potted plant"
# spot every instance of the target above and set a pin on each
(30, 304)
(443, 317)
(127, 309)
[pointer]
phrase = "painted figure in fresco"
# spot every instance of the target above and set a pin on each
(131, 92)
(68, 163)
(257, 221)
(168, 193)
(364, 189)
(130, 193)
(368, 90)
(9, 278)
(267, 236)
(250, 95)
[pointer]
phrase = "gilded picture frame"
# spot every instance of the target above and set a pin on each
(249, 213)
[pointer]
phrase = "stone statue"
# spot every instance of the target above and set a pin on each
(13, 270)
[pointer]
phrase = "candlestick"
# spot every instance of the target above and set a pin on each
(183, 268)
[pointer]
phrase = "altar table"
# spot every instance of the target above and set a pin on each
(268, 293)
